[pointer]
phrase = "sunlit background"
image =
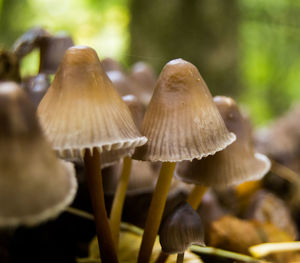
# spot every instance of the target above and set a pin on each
(248, 49)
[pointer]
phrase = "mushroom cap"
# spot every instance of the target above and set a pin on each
(110, 64)
(36, 87)
(181, 121)
(52, 49)
(143, 79)
(120, 81)
(180, 229)
(235, 164)
(34, 184)
(81, 109)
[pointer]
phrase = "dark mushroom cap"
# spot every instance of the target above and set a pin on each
(180, 229)
(52, 49)
(81, 109)
(36, 87)
(235, 164)
(34, 184)
(182, 122)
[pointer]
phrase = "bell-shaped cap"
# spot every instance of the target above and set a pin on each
(81, 109)
(180, 229)
(182, 122)
(235, 164)
(34, 184)
(143, 80)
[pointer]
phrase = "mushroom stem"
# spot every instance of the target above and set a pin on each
(156, 211)
(94, 179)
(284, 172)
(180, 257)
(195, 196)
(117, 206)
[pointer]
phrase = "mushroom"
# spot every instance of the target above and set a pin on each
(34, 185)
(82, 114)
(52, 49)
(234, 165)
(181, 123)
(121, 82)
(29, 41)
(109, 64)
(143, 79)
(180, 229)
(36, 87)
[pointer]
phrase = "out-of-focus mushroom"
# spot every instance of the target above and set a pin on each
(235, 164)
(181, 123)
(82, 114)
(121, 82)
(52, 49)
(36, 87)
(34, 185)
(143, 80)
(266, 207)
(110, 64)
(29, 41)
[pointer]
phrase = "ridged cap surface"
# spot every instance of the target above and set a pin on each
(180, 229)
(82, 109)
(235, 164)
(181, 121)
(34, 184)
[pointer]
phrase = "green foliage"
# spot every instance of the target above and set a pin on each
(270, 58)
(269, 40)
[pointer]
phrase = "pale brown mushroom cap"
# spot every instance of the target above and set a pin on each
(143, 80)
(82, 109)
(182, 122)
(235, 164)
(34, 184)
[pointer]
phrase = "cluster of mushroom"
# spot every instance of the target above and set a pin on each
(84, 118)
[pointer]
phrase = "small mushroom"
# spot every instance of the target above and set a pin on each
(181, 123)
(34, 185)
(180, 229)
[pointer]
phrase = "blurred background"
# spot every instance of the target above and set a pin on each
(248, 49)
